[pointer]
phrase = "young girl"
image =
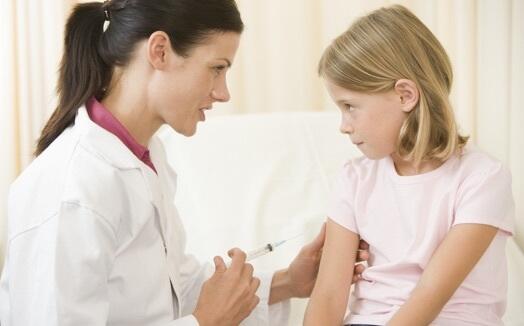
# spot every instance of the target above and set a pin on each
(93, 235)
(435, 211)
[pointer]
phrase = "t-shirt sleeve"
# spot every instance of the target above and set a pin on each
(341, 208)
(486, 198)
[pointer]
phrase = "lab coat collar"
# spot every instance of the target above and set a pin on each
(104, 143)
(112, 150)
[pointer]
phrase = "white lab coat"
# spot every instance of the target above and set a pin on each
(94, 239)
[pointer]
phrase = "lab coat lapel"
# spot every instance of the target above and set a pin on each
(116, 154)
(162, 190)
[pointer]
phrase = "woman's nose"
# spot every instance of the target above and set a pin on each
(221, 93)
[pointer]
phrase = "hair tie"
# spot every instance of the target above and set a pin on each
(107, 14)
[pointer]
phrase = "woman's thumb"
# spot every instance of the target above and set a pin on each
(319, 240)
(317, 243)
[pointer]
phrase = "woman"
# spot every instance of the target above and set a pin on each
(94, 238)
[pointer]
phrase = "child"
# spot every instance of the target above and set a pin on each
(435, 211)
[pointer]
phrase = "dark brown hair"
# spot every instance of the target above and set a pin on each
(90, 53)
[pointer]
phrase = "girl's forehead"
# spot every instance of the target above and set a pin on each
(343, 92)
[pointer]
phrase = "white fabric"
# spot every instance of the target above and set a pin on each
(94, 239)
(266, 177)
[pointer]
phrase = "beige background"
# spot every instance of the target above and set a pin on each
(275, 69)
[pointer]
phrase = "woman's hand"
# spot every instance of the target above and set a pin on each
(228, 297)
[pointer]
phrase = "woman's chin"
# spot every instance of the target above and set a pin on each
(185, 131)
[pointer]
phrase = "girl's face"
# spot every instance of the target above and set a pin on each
(188, 86)
(372, 121)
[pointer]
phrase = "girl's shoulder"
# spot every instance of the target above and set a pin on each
(473, 161)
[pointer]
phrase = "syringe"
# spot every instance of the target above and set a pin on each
(266, 249)
(263, 250)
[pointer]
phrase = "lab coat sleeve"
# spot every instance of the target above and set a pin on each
(188, 320)
(195, 274)
(192, 275)
(67, 283)
(4, 293)
(276, 314)
(85, 249)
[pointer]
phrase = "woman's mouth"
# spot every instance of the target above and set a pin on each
(202, 113)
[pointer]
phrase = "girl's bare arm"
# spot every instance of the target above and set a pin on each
(449, 266)
(330, 295)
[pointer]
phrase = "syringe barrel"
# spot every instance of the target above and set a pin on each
(258, 252)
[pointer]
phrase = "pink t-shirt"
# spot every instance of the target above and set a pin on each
(405, 218)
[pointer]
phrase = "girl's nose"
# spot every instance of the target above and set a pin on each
(346, 127)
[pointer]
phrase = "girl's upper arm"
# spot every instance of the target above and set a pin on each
(338, 257)
(450, 264)
(330, 295)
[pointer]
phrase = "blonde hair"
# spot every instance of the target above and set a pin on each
(391, 44)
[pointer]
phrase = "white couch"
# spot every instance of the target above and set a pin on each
(248, 180)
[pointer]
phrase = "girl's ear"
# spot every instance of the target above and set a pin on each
(158, 50)
(408, 94)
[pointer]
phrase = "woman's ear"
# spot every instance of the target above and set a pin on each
(158, 50)
(408, 94)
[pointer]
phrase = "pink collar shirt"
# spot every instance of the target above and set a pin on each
(100, 115)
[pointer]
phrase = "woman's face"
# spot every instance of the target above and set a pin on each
(181, 93)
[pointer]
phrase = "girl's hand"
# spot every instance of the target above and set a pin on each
(362, 256)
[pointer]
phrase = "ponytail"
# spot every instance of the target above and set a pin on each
(83, 73)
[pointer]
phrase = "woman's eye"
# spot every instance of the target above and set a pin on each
(218, 69)
(349, 107)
